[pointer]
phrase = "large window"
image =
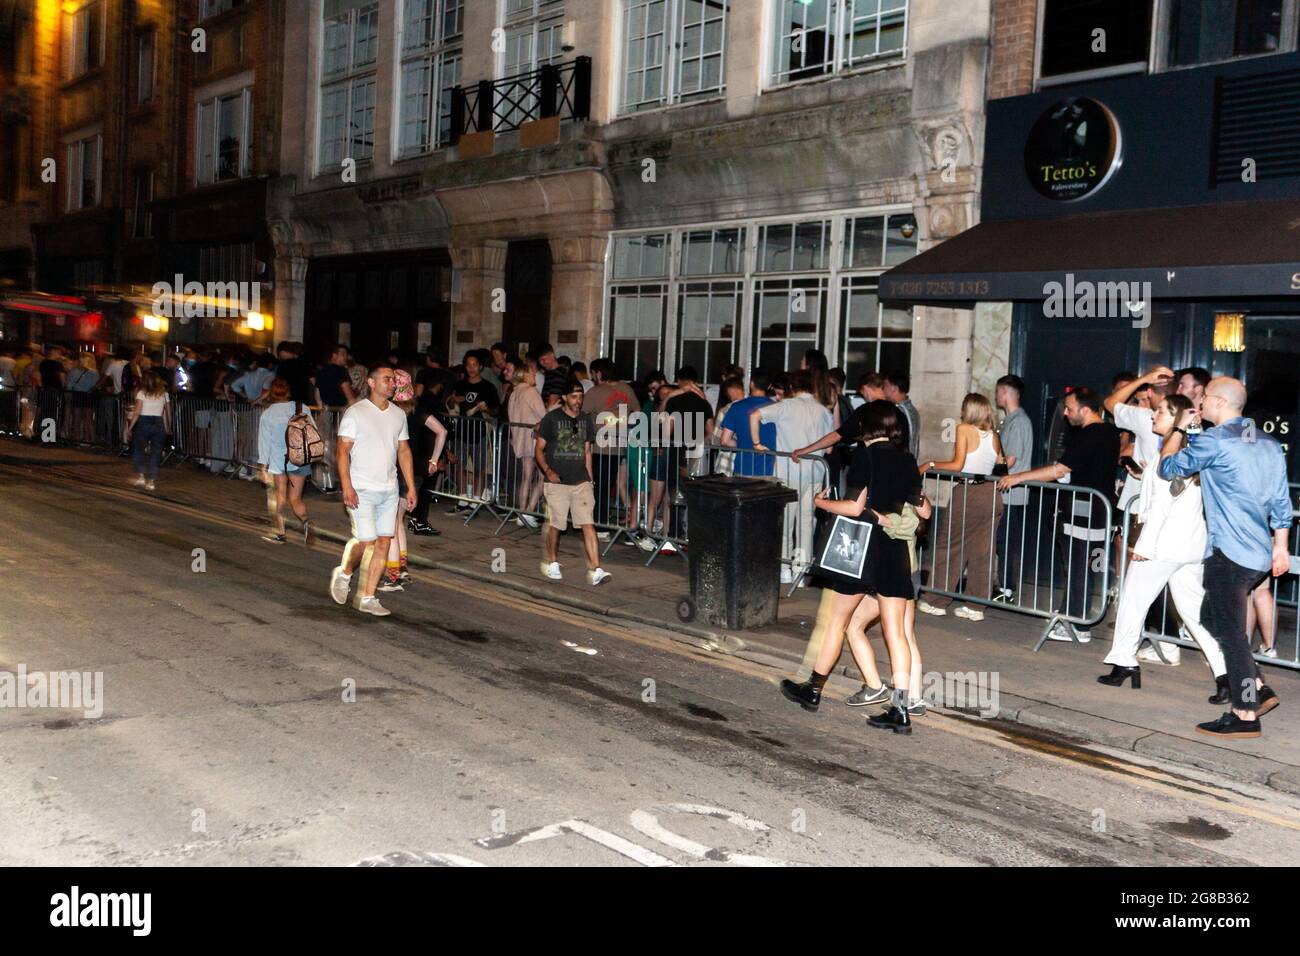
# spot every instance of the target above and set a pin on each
(84, 172)
(1203, 31)
(350, 49)
(223, 126)
(534, 37)
(83, 38)
(146, 63)
(673, 51)
(816, 37)
(760, 294)
(431, 56)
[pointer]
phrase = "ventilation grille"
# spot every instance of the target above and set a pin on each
(1257, 118)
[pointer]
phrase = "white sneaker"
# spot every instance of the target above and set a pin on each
(602, 535)
(925, 607)
(968, 613)
(787, 576)
(529, 521)
(598, 576)
(645, 543)
(138, 482)
(339, 584)
(371, 605)
(1269, 652)
(1061, 632)
(552, 570)
(657, 528)
(149, 486)
(1173, 654)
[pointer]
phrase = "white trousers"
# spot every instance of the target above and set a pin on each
(1142, 586)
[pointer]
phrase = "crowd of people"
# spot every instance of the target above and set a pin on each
(1166, 457)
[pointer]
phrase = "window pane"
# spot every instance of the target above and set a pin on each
(864, 243)
(416, 90)
(774, 254)
(230, 131)
(863, 318)
(896, 323)
(895, 357)
(1067, 38)
(1207, 30)
(365, 46)
(810, 240)
(900, 244)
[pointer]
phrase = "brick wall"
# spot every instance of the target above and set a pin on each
(1014, 32)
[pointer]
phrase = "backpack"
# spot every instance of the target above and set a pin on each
(302, 441)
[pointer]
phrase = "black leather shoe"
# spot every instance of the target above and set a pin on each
(1222, 693)
(895, 719)
(1266, 701)
(1118, 675)
(805, 695)
(1230, 725)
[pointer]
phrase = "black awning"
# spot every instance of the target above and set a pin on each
(1233, 250)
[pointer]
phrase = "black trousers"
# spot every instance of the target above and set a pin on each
(1223, 613)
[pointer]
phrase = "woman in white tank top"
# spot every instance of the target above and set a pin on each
(961, 538)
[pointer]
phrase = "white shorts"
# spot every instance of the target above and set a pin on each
(375, 515)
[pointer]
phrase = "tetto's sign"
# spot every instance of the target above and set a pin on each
(1073, 149)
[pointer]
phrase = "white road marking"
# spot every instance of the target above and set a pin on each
(647, 822)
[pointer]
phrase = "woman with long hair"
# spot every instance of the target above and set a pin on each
(963, 542)
(883, 480)
(147, 428)
(428, 440)
(525, 409)
(1169, 552)
(284, 481)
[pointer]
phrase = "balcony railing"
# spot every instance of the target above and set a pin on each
(557, 89)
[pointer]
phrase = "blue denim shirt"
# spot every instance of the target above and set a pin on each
(1243, 481)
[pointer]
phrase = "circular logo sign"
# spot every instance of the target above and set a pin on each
(1073, 149)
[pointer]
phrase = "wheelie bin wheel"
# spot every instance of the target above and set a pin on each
(686, 610)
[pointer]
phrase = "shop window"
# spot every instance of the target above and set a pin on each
(1206, 31)
(816, 37)
(430, 70)
(673, 51)
(789, 314)
(350, 49)
(873, 338)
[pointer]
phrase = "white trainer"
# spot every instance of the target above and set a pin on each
(552, 570)
(925, 607)
(339, 585)
(598, 576)
(969, 613)
(371, 605)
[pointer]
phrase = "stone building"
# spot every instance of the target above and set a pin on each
(662, 181)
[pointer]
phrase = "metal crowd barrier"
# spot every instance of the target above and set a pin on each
(1162, 624)
(637, 490)
(10, 411)
(1041, 549)
(81, 418)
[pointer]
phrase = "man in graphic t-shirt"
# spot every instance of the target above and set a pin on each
(373, 443)
(564, 440)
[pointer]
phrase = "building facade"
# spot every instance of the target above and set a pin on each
(1143, 158)
(660, 181)
(143, 134)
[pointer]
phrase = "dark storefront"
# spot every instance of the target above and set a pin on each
(1140, 220)
(373, 303)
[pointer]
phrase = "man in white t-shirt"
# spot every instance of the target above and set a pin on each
(372, 444)
(1138, 420)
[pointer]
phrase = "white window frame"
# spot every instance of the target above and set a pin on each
(214, 102)
(839, 27)
(146, 78)
(670, 63)
(76, 46)
(440, 58)
(830, 282)
(74, 154)
(355, 80)
(537, 18)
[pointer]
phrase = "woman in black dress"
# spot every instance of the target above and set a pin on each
(882, 479)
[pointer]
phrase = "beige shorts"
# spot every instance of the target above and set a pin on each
(565, 501)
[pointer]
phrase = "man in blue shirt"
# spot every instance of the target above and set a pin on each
(1248, 514)
(735, 428)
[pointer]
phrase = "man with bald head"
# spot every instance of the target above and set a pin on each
(1248, 513)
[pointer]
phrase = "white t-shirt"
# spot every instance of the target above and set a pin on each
(1146, 445)
(151, 406)
(114, 372)
(799, 421)
(374, 436)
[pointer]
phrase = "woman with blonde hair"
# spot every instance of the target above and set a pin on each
(962, 538)
(525, 410)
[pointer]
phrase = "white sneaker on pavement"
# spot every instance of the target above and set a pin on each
(1061, 632)
(371, 605)
(1269, 652)
(552, 570)
(968, 613)
(787, 576)
(925, 607)
(1173, 654)
(138, 482)
(598, 576)
(339, 585)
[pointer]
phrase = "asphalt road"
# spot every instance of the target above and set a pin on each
(487, 729)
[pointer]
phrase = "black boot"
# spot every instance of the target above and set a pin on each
(895, 718)
(807, 695)
(1222, 694)
(1118, 675)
